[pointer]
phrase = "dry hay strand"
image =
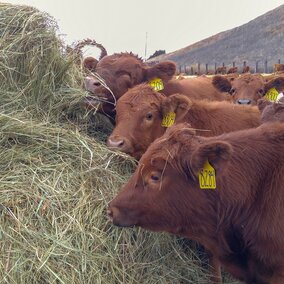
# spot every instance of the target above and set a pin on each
(55, 187)
(36, 73)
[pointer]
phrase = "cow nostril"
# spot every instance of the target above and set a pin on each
(109, 213)
(115, 143)
(96, 84)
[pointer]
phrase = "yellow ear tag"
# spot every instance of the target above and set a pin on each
(271, 95)
(207, 177)
(168, 119)
(157, 84)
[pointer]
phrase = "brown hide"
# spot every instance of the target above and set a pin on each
(245, 89)
(271, 111)
(141, 110)
(119, 72)
(278, 67)
(233, 70)
(221, 70)
(240, 222)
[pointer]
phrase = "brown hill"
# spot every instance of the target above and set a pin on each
(259, 42)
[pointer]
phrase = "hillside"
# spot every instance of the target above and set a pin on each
(256, 41)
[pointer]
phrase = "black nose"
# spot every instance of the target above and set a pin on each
(244, 102)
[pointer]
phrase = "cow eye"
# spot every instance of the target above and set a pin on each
(149, 116)
(232, 91)
(155, 177)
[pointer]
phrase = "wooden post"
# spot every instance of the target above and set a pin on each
(198, 68)
(234, 63)
(265, 66)
(206, 68)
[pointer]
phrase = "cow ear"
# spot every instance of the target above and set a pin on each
(163, 70)
(221, 83)
(217, 153)
(262, 103)
(90, 63)
(177, 103)
(277, 83)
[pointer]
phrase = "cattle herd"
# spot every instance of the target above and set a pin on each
(210, 151)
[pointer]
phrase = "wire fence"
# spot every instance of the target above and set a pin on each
(259, 66)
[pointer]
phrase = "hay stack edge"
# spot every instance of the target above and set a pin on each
(57, 176)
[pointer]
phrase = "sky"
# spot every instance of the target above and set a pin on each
(144, 26)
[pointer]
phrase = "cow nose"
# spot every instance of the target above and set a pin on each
(91, 84)
(244, 102)
(115, 142)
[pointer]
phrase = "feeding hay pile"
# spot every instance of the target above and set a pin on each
(56, 180)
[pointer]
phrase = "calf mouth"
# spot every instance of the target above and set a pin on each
(97, 100)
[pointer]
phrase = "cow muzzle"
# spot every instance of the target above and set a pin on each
(118, 218)
(120, 143)
(244, 102)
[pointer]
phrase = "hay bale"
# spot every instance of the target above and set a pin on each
(36, 74)
(56, 181)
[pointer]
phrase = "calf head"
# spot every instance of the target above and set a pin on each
(115, 74)
(245, 89)
(164, 193)
(271, 111)
(141, 113)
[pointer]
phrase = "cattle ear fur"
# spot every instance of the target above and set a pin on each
(221, 83)
(177, 103)
(90, 63)
(277, 83)
(262, 103)
(217, 153)
(163, 70)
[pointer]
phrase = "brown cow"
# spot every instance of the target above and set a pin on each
(247, 89)
(119, 72)
(221, 70)
(271, 111)
(238, 217)
(233, 70)
(278, 67)
(141, 110)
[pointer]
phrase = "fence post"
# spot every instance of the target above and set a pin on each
(191, 69)
(206, 68)
(198, 68)
(215, 66)
(265, 66)
(256, 67)
(234, 63)
(279, 61)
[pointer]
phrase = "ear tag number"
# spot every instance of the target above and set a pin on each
(272, 95)
(207, 177)
(168, 119)
(157, 84)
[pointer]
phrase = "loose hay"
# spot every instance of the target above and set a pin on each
(56, 180)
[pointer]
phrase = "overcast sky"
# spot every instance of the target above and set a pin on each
(127, 25)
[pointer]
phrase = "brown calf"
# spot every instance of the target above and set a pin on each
(233, 70)
(247, 89)
(221, 70)
(141, 111)
(278, 67)
(115, 74)
(239, 218)
(271, 111)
